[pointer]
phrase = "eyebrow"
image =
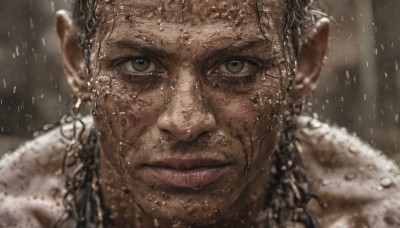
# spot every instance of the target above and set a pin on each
(138, 46)
(239, 46)
(148, 49)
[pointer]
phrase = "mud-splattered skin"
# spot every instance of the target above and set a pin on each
(195, 81)
(186, 105)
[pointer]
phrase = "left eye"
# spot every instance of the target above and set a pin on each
(140, 65)
(237, 67)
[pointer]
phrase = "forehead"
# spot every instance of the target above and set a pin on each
(196, 25)
(195, 12)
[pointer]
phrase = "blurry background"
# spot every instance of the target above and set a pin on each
(359, 87)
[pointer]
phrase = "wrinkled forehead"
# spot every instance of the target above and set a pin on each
(195, 12)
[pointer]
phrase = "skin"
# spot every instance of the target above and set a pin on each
(185, 105)
(188, 105)
(190, 112)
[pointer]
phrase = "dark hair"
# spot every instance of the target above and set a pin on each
(287, 191)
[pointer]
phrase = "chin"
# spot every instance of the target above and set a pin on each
(204, 208)
(193, 211)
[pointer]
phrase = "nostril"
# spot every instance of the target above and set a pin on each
(186, 120)
(189, 128)
(204, 134)
(165, 131)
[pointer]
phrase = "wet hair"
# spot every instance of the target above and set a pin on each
(301, 15)
(287, 192)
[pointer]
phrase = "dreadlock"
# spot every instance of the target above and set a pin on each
(287, 191)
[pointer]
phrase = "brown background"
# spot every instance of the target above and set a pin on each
(359, 87)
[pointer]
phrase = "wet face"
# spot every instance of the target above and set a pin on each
(185, 98)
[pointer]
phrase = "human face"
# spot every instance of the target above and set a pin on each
(186, 105)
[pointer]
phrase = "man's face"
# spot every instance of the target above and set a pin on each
(186, 103)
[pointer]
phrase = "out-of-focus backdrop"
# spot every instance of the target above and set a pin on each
(359, 87)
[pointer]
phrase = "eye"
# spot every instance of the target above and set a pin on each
(140, 65)
(237, 68)
(233, 66)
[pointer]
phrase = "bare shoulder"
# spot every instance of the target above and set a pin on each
(31, 182)
(358, 184)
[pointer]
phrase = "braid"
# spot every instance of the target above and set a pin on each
(287, 192)
(82, 200)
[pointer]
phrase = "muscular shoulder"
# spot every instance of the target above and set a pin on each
(31, 182)
(358, 185)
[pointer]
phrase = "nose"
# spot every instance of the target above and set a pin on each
(186, 116)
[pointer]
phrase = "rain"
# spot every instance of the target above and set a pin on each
(358, 93)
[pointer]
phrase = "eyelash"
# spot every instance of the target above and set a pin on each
(214, 74)
(119, 63)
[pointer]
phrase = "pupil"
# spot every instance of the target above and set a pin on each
(141, 65)
(235, 66)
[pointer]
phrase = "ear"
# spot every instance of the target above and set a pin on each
(309, 61)
(73, 60)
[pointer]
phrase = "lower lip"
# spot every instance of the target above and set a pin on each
(192, 178)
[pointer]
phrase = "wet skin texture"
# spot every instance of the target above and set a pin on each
(186, 101)
(188, 105)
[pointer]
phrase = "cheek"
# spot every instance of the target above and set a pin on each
(123, 112)
(253, 118)
(251, 112)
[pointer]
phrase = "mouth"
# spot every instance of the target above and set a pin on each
(188, 173)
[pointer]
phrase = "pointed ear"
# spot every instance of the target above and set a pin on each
(73, 60)
(309, 61)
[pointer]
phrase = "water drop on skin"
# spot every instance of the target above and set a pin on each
(156, 223)
(350, 176)
(386, 182)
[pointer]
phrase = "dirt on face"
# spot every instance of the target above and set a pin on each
(186, 98)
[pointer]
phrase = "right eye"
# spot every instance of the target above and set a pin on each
(140, 65)
(237, 68)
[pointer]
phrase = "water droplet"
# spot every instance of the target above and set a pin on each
(353, 150)
(386, 182)
(313, 124)
(32, 26)
(350, 176)
(325, 182)
(156, 223)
